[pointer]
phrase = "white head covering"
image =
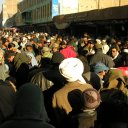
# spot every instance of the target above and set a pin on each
(72, 69)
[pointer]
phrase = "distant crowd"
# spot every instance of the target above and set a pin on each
(54, 81)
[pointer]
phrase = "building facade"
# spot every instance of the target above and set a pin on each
(43, 11)
(37, 13)
(9, 8)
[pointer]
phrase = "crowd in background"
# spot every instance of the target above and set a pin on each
(63, 81)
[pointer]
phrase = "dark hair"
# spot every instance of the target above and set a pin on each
(9, 53)
(10, 45)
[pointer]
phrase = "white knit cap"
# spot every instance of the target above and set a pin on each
(72, 69)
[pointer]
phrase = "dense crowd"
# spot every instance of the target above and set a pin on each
(49, 81)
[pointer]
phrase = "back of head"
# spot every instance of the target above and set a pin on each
(72, 69)
(76, 100)
(100, 67)
(57, 57)
(98, 46)
(92, 99)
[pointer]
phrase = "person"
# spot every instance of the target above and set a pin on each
(56, 78)
(30, 52)
(7, 98)
(71, 69)
(46, 52)
(117, 57)
(96, 78)
(83, 115)
(82, 44)
(69, 51)
(99, 56)
(19, 65)
(89, 49)
(29, 112)
(100, 69)
(4, 69)
(114, 78)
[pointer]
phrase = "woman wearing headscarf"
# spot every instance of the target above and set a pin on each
(29, 109)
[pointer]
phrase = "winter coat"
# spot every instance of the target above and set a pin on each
(100, 57)
(7, 97)
(29, 109)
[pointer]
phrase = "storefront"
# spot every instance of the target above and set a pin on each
(99, 22)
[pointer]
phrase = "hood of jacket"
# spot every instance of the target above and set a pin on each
(30, 103)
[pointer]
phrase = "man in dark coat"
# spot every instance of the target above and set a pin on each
(99, 56)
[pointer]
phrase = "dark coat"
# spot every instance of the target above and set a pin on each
(29, 109)
(93, 79)
(21, 63)
(101, 57)
(118, 61)
(7, 97)
(59, 81)
(22, 75)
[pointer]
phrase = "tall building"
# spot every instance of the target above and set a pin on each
(9, 8)
(39, 12)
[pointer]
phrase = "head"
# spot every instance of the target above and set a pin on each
(11, 46)
(27, 106)
(57, 58)
(100, 69)
(9, 55)
(29, 47)
(76, 100)
(92, 99)
(63, 44)
(114, 51)
(98, 46)
(5, 42)
(91, 43)
(85, 39)
(72, 69)
(55, 47)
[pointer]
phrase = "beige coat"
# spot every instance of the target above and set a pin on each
(60, 98)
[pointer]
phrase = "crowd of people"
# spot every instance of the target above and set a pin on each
(54, 81)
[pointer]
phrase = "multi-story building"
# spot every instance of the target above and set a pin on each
(9, 8)
(41, 12)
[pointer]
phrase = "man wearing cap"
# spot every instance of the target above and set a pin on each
(100, 69)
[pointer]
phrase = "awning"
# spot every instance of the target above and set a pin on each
(113, 13)
(60, 22)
